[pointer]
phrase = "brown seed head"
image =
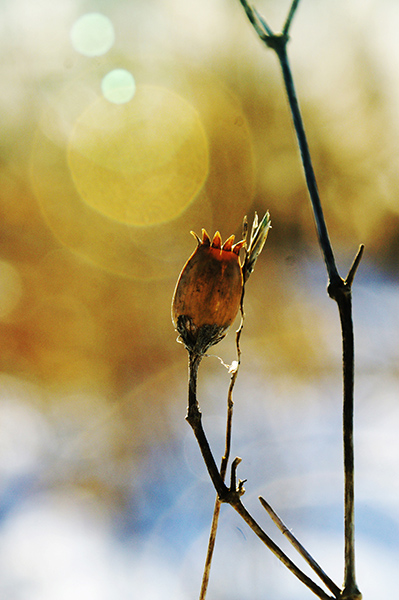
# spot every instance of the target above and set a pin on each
(208, 292)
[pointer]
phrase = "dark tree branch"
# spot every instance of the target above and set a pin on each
(338, 289)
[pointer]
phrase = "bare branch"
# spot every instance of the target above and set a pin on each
(290, 16)
(338, 289)
(355, 264)
(258, 23)
(226, 455)
(232, 495)
(242, 511)
(302, 551)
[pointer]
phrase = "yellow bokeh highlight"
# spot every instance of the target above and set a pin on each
(141, 163)
(137, 251)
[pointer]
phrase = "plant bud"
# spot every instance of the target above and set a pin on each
(208, 293)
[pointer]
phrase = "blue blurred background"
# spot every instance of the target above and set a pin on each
(124, 125)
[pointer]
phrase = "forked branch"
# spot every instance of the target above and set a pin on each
(338, 289)
(232, 495)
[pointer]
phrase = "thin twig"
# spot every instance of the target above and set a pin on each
(194, 418)
(211, 547)
(290, 16)
(302, 551)
(242, 511)
(260, 26)
(338, 289)
(354, 267)
(224, 462)
(232, 495)
(278, 42)
(343, 298)
(321, 227)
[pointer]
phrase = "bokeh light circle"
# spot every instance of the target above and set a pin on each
(141, 252)
(140, 163)
(118, 86)
(92, 34)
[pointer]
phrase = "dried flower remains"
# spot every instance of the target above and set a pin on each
(208, 292)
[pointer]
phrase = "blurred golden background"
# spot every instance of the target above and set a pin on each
(124, 125)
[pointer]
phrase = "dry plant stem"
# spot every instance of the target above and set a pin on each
(211, 547)
(323, 236)
(194, 418)
(224, 462)
(232, 495)
(216, 510)
(338, 289)
(341, 292)
(302, 551)
(343, 297)
(290, 16)
(218, 503)
(242, 511)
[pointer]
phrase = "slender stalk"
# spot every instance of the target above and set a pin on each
(225, 459)
(290, 16)
(321, 227)
(338, 289)
(351, 590)
(232, 495)
(302, 551)
(345, 308)
(218, 504)
(260, 26)
(210, 550)
(194, 418)
(242, 511)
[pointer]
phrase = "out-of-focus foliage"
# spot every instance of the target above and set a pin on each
(97, 198)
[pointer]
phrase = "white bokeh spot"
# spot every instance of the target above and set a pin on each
(118, 86)
(93, 34)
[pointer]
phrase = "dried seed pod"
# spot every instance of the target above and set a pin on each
(208, 292)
